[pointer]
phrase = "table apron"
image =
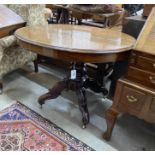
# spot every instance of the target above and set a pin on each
(73, 56)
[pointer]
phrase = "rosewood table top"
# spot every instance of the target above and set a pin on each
(75, 42)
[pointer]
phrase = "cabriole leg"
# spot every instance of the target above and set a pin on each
(111, 116)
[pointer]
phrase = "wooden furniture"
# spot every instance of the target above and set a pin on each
(9, 21)
(77, 44)
(135, 93)
(147, 9)
(109, 19)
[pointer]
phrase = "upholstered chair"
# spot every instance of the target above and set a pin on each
(12, 56)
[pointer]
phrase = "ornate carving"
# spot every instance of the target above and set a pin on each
(76, 84)
(53, 92)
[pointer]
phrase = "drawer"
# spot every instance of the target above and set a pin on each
(132, 99)
(143, 77)
(145, 63)
(152, 106)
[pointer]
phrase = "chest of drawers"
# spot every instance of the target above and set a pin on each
(142, 69)
(135, 92)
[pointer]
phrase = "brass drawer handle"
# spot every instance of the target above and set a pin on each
(131, 98)
(152, 79)
(154, 65)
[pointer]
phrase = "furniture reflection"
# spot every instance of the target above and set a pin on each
(13, 56)
(135, 93)
(95, 46)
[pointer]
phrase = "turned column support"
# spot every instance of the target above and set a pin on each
(74, 81)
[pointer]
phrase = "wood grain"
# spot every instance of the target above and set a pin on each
(141, 76)
(75, 42)
(135, 94)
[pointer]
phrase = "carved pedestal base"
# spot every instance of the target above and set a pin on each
(97, 83)
(75, 81)
(78, 81)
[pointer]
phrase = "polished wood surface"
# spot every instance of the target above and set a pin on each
(77, 41)
(9, 21)
(146, 39)
(135, 93)
(77, 44)
(143, 61)
(141, 76)
(131, 98)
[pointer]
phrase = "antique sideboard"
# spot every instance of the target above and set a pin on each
(135, 92)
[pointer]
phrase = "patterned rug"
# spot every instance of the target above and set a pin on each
(23, 129)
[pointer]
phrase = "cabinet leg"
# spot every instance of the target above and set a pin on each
(111, 116)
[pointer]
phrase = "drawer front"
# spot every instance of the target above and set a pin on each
(145, 63)
(152, 106)
(132, 99)
(143, 77)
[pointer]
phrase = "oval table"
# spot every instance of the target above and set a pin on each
(78, 44)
